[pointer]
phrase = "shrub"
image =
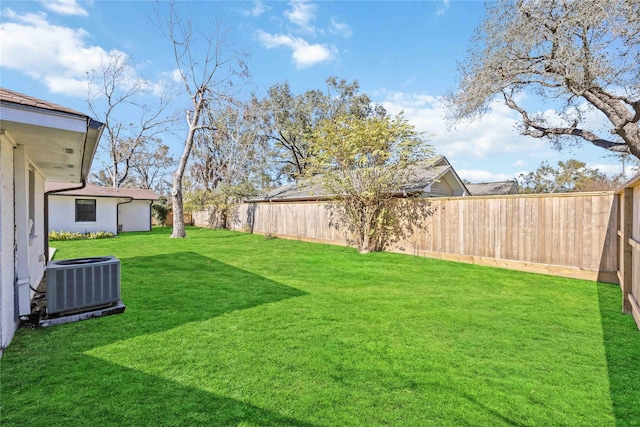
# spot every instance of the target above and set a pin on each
(67, 235)
(160, 210)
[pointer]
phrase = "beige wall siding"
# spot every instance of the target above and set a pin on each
(440, 189)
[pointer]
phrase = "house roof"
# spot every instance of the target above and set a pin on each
(58, 141)
(493, 188)
(424, 174)
(92, 190)
(7, 95)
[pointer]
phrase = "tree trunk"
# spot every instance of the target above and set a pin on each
(178, 231)
(178, 212)
(365, 243)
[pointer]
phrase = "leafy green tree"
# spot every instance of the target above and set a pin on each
(572, 175)
(289, 120)
(362, 163)
(570, 53)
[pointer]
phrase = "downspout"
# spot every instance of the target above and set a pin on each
(46, 212)
(118, 213)
(151, 215)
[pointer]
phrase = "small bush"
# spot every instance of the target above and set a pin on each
(67, 235)
(160, 210)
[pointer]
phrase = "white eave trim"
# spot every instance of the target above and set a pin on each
(43, 118)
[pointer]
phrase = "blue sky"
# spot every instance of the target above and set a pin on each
(403, 54)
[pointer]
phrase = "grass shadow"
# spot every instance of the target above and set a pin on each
(165, 291)
(161, 292)
(121, 396)
(622, 345)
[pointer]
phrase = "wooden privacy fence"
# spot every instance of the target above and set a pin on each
(629, 247)
(188, 219)
(591, 236)
(567, 235)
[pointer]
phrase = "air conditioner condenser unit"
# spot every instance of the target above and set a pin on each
(82, 284)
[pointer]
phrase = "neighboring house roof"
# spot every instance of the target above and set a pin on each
(423, 176)
(92, 190)
(59, 142)
(497, 188)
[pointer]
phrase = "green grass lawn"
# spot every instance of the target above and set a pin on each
(225, 329)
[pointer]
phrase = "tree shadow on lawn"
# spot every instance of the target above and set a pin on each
(622, 345)
(121, 396)
(161, 292)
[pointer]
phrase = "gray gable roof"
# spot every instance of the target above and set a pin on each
(424, 174)
(493, 188)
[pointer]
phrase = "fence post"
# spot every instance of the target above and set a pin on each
(626, 251)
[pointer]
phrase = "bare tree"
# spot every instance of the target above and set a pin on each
(577, 53)
(116, 97)
(230, 163)
(151, 166)
(208, 77)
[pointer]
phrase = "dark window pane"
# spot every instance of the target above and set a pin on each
(85, 210)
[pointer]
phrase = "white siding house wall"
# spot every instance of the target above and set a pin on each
(8, 321)
(62, 214)
(135, 216)
(37, 259)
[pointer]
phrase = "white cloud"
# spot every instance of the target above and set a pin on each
(611, 170)
(492, 143)
(64, 7)
(339, 28)
(55, 55)
(489, 136)
(176, 76)
(443, 8)
(258, 9)
(304, 54)
(302, 14)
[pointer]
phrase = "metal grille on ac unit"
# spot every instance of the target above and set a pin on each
(83, 283)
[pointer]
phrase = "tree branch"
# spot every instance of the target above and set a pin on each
(550, 131)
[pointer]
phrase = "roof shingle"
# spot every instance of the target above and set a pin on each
(7, 95)
(92, 190)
